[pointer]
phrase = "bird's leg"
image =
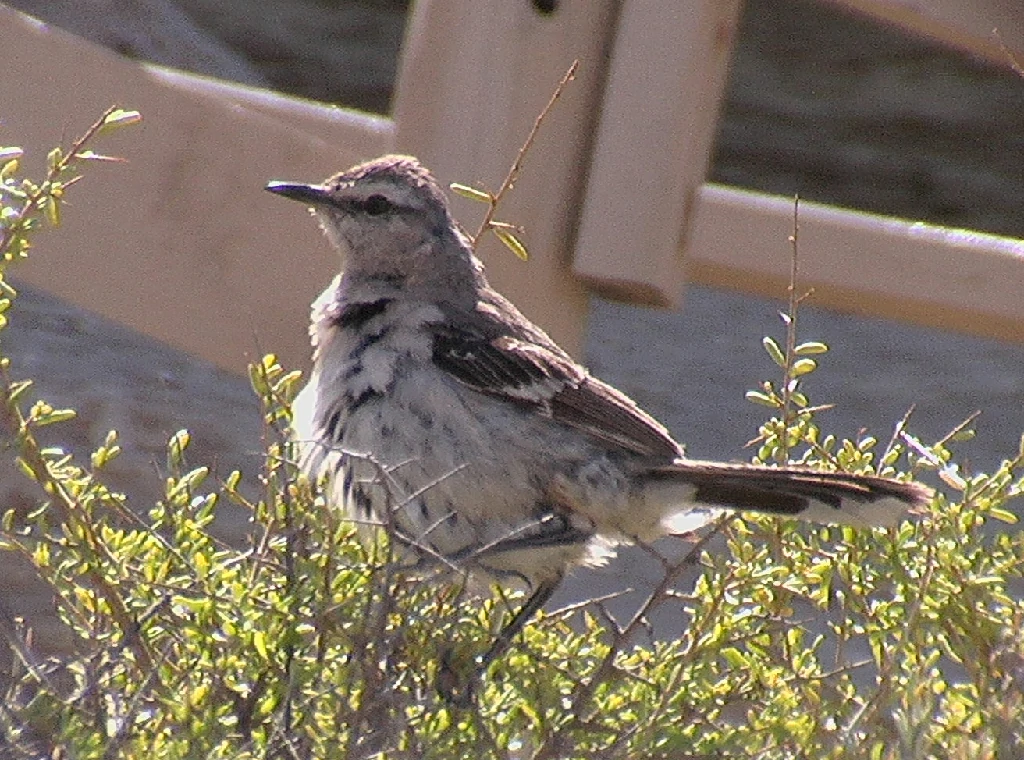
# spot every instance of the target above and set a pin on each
(532, 605)
(458, 690)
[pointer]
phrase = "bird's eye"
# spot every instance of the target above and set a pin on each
(376, 205)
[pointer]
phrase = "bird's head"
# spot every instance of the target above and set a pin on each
(388, 217)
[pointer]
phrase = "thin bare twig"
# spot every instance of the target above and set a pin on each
(788, 385)
(960, 427)
(554, 745)
(16, 225)
(517, 165)
(1014, 63)
(901, 426)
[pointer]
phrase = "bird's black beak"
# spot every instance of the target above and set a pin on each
(313, 195)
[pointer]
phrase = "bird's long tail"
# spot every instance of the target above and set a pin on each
(801, 493)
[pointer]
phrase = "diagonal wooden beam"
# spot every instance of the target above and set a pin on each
(861, 263)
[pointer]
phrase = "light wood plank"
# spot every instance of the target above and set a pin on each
(474, 76)
(658, 123)
(861, 263)
(363, 134)
(182, 243)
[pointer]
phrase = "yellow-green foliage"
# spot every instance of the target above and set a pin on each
(307, 643)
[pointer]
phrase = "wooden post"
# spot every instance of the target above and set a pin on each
(657, 128)
(474, 76)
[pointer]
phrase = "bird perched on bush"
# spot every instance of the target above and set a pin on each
(436, 409)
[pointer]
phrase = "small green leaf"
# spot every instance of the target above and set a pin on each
(26, 469)
(57, 415)
(506, 236)
(201, 563)
(471, 192)
(811, 347)
(735, 658)
(11, 153)
(53, 158)
(890, 457)
(16, 389)
(176, 446)
(763, 399)
(52, 210)
(1003, 515)
(232, 480)
(120, 118)
(90, 155)
(774, 351)
(867, 443)
(803, 367)
(259, 642)
(966, 434)
(8, 169)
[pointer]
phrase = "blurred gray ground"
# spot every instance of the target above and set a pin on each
(820, 103)
(874, 372)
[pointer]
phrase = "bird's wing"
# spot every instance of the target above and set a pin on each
(543, 378)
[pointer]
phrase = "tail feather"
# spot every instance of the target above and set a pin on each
(802, 493)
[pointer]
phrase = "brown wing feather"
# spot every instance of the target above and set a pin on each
(613, 417)
(527, 373)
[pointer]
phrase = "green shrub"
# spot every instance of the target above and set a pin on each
(309, 643)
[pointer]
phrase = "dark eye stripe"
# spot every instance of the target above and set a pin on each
(373, 205)
(377, 205)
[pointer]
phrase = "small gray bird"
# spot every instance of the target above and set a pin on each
(437, 409)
